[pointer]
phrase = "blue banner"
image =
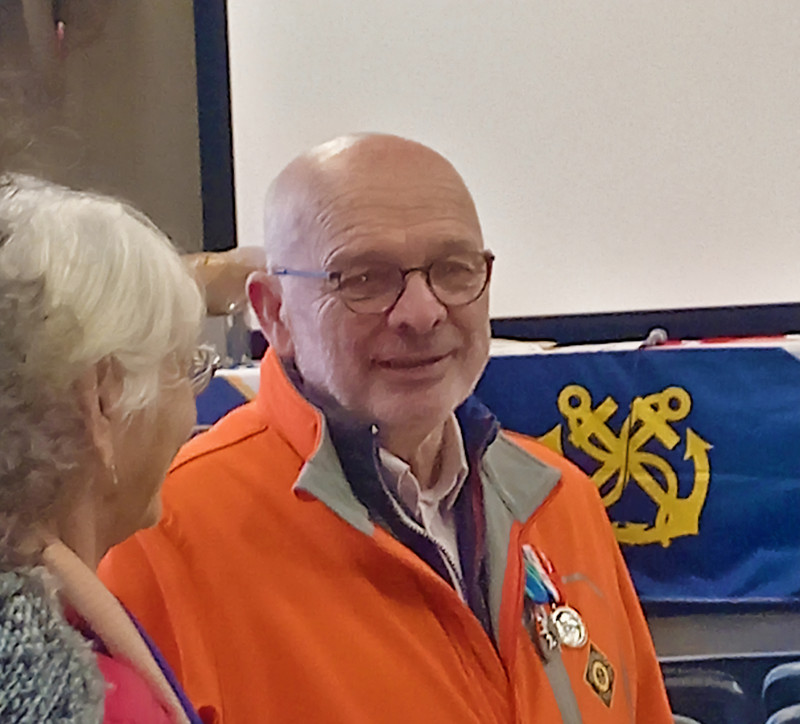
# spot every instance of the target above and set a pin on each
(695, 452)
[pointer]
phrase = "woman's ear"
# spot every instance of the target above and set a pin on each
(99, 391)
(266, 300)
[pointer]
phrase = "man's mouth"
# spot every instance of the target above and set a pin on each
(409, 363)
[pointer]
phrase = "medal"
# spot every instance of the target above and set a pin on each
(542, 633)
(569, 626)
(550, 623)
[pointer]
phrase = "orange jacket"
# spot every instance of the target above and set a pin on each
(275, 599)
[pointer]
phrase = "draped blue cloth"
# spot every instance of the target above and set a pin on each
(743, 402)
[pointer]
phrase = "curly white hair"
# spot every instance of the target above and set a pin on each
(83, 277)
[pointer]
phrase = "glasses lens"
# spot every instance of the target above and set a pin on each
(459, 279)
(370, 289)
(205, 362)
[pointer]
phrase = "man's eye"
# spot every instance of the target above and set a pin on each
(455, 271)
(371, 281)
(455, 266)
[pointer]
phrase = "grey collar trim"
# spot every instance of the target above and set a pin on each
(515, 484)
(522, 481)
(322, 476)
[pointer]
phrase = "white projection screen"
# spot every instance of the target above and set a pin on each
(624, 155)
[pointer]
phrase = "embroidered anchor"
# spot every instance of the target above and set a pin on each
(623, 460)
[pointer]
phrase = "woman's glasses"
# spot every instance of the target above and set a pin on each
(205, 362)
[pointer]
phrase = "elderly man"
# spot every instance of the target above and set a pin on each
(361, 543)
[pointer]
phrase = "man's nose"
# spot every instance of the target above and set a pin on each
(417, 308)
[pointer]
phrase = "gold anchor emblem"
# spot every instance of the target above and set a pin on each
(622, 458)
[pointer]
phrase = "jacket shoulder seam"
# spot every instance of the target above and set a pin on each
(218, 446)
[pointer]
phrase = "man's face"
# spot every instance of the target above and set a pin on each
(407, 368)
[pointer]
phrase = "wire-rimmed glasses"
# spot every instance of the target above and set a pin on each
(205, 362)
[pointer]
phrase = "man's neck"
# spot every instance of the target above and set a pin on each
(422, 452)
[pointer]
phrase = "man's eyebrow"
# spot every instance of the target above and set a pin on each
(360, 258)
(453, 245)
(457, 245)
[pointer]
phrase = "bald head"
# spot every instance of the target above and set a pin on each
(333, 178)
(363, 209)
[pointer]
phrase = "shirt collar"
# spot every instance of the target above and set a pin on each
(453, 472)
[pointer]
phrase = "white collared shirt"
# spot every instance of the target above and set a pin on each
(432, 508)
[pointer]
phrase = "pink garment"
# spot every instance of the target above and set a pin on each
(129, 699)
(131, 660)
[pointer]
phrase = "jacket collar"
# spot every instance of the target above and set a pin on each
(304, 428)
(522, 481)
(323, 478)
(298, 422)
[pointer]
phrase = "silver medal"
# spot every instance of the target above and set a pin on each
(569, 626)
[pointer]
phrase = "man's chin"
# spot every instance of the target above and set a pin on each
(421, 412)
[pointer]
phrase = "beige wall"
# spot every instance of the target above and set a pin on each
(117, 110)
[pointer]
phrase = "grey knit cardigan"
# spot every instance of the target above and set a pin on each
(48, 672)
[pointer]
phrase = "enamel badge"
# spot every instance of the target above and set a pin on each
(600, 675)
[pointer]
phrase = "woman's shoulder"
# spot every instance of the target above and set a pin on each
(48, 671)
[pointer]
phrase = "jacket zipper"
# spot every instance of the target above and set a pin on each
(412, 524)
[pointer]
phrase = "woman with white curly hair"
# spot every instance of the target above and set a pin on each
(99, 367)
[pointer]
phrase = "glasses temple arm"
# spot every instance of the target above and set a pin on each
(282, 271)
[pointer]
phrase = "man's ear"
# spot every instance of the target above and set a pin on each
(99, 390)
(266, 300)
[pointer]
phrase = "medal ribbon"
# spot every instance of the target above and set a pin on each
(539, 586)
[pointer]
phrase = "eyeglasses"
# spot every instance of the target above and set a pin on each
(205, 362)
(374, 288)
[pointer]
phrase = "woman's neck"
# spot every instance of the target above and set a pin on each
(80, 529)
